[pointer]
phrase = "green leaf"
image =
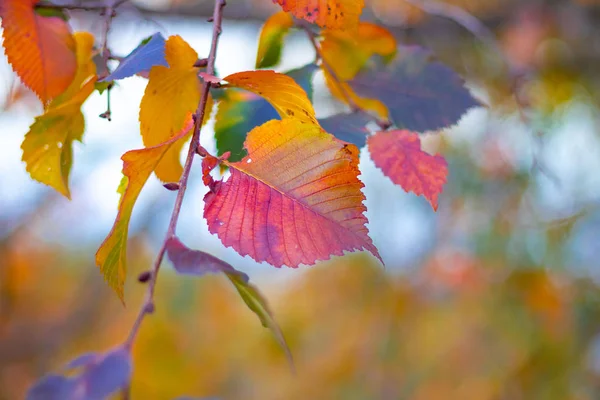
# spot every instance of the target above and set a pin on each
(257, 303)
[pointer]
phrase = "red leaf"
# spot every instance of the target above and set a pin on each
(294, 199)
(398, 154)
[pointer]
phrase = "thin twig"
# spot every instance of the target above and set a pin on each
(97, 6)
(148, 305)
(461, 17)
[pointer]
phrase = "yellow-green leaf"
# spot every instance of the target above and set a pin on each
(47, 148)
(271, 39)
(138, 165)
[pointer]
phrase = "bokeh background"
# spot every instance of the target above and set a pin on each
(495, 296)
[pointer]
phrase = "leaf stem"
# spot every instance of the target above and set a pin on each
(148, 305)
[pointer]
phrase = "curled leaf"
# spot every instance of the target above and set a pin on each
(149, 53)
(138, 165)
(271, 38)
(282, 91)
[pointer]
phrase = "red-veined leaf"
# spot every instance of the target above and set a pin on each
(40, 48)
(398, 154)
(294, 199)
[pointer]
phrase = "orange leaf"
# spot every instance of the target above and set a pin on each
(294, 199)
(334, 14)
(271, 37)
(398, 154)
(138, 165)
(40, 49)
(284, 94)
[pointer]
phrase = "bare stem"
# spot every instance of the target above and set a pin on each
(383, 124)
(88, 6)
(148, 305)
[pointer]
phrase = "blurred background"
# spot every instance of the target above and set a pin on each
(495, 296)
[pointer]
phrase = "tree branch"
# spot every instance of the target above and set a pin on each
(148, 305)
(89, 6)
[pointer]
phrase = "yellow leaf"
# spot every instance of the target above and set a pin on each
(47, 148)
(138, 165)
(171, 95)
(40, 49)
(348, 52)
(284, 94)
(271, 39)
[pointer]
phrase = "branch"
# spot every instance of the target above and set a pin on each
(383, 124)
(89, 6)
(148, 305)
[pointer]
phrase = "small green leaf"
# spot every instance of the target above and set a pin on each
(258, 304)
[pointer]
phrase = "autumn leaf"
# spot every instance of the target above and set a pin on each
(172, 93)
(197, 263)
(258, 305)
(149, 53)
(239, 112)
(294, 199)
(138, 165)
(346, 53)
(284, 94)
(40, 48)
(100, 376)
(350, 128)
(48, 146)
(398, 154)
(421, 95)
(333, 14)
(271, 38)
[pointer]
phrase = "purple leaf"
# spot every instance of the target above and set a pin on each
(82, 360)
(198, 263)
(149, 53)
(108, 375)
(421, 95)
(348, 127)
(52, 387)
